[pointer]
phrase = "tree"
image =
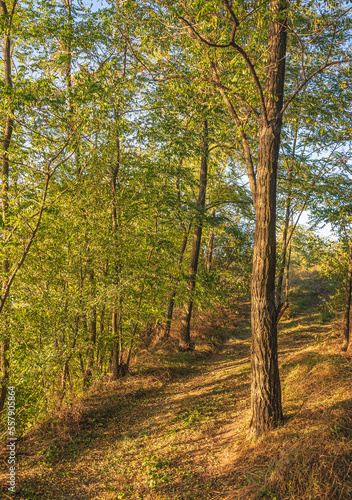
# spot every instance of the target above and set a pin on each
(246, 65)
(266, 393)
(333, 205)
(185, 340)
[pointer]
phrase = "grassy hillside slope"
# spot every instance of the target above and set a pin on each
(177, 429)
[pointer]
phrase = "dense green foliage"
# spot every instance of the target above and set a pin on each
(104, 158)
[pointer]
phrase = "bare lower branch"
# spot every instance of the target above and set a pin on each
(312, 75)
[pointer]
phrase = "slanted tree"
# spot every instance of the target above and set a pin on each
(185, 342)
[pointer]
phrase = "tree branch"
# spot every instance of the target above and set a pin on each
(316, 72)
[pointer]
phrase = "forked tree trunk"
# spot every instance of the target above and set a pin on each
(266, 391)
(185, 339)
(346, 318)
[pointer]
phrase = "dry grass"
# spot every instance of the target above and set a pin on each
(176, 429)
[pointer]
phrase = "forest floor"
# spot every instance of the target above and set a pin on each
(178, 429)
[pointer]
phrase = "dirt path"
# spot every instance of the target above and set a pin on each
(180, 434)
(146, 437)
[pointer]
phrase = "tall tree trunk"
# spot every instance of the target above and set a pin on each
(6, 140)
(288, 263)
(118, 366)
(172, 296)
(282, 268)
(185, 339)
(100, 353)
(209, 253)
(281, 305)
(5, 368)
(68, 53)
(68, 76)
(346, 318)
(92, 335)
(118, 369)
(141, 296)
(266, 391)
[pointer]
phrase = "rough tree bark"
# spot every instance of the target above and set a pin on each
(346, 318)
(266, 391)
(185, 339)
